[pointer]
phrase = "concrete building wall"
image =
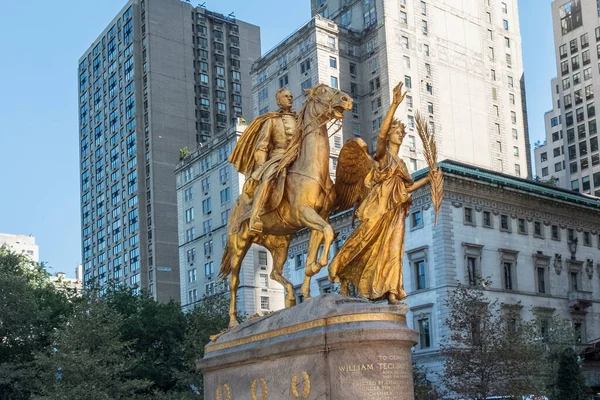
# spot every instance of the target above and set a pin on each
(306, 58)
(464, 64)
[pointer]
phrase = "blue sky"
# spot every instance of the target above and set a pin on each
(41, 42)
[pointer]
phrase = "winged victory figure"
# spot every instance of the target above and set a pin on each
(381, 186)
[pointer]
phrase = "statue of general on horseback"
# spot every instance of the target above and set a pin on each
(285, 159)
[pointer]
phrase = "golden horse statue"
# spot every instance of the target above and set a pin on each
(307, 200)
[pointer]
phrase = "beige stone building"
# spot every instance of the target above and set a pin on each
(461, 63)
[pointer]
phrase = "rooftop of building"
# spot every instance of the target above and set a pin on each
(504, 181)
(204, 148)
(17, 238)
(315, 21)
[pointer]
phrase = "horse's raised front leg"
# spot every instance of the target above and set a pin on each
(312, 266)
(235, 250)
(278, 247)
(313, 221)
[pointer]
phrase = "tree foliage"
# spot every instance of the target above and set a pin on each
(488, 351)
(31, 308)
(571, 383)
(89, 359)
(121, 345)
(423, 388)
(491, 352)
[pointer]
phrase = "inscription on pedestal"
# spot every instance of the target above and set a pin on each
(377, 376)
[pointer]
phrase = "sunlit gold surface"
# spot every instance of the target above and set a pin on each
(371, 258)
(286, 164)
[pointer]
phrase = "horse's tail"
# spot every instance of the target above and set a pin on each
(226, 261)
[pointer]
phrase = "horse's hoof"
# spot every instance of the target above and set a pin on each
(290, 302)
(233, 323)
(333, 278)
(312, 269)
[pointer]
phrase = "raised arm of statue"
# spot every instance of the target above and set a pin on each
(398, 97)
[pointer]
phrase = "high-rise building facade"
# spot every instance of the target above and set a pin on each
(163, 75)
(571, 152)
(207, 188)
(460, 62)
(21, 244)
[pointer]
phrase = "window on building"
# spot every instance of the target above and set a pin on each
(487, 219)
(504, 223)
(209, 268)
(541, 280)
(334, 82)
(420, 279)
(192, 275)
(508, 276)
(264, 303)
(469, 218)
(424, 333)
(555, 232)
(537, 229)
(522, 226)
(416, 219)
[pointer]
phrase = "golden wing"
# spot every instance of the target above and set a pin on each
(354, 164)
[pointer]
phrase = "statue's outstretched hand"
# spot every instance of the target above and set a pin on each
(398, 95)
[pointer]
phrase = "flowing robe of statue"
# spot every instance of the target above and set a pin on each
(371, 258)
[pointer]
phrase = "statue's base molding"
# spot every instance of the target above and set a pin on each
(329, 348)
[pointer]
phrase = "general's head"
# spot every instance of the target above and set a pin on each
(284, 99)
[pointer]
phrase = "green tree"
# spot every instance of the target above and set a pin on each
(570, 383)
(208, 318)
(30, 309)
(424, 389)
(89, 359)
(156, 332)
(552, 335)
(488, 352)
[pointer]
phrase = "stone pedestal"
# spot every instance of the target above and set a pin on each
(328, 348)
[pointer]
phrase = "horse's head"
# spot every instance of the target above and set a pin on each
(328, 103)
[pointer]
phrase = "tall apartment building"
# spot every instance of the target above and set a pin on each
(461, 63)
(163, 75)
(207, 188)
(571, 151)
(516, 232)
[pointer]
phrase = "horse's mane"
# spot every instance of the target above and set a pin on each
(293, 151)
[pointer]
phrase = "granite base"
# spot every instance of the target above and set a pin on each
(328, 348)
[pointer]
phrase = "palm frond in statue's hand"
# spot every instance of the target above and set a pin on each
(430, 153)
